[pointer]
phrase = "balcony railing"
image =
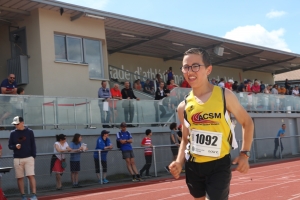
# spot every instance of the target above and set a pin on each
(42, 112)
(262, 151)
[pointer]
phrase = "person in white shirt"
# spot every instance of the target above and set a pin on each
(295, 91)
(221, 83)
(58, 160)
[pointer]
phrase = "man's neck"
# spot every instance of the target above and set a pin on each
(21, 128)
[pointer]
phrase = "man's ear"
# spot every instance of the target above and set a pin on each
(208, 70)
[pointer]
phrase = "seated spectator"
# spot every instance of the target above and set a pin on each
(185, 84)
(282, 90)
(8, 87)
(148, 88)
(228, 84)
(172, 85)
(137, 85)
(255, 87)
(235, 86)
(221, 83)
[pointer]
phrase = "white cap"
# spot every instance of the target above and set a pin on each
(17, 120)
(230, 81)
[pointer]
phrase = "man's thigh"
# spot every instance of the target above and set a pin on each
(29, 166)
(218, 183)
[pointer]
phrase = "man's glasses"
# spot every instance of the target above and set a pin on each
(17, 124)
(12, 77)
(194, 68)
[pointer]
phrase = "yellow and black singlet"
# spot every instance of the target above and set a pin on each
(210, 129)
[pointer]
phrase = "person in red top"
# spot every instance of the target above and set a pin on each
(146, 142)
(172, 85)
(185, 84)
(255, 87)
(228, 84)
(115, 95)
(248, 86)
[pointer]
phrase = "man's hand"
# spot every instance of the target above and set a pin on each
(137, 99)
(18, 146)
(243, 164)
(175, 169)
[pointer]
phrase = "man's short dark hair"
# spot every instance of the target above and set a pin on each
(102, 82)
(282, 125)
(202, 52)
(173, 125)
(148, 131)
(20, 90)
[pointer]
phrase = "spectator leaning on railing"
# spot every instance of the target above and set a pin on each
(105, 94)
(8, 87)
(282, 90)
(255, 87)
(228, 84)
(235, 86)
(127, 95)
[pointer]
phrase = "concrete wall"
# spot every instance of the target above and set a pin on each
(65, 79)
(150, 66)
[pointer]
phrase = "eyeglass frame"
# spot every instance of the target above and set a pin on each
(190, 67)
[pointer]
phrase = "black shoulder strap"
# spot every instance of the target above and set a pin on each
(224, 100)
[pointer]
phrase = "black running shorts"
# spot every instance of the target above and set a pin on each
(211, 179)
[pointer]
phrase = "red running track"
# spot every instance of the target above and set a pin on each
(273, 182)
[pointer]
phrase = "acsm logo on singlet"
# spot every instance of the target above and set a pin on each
(206, 118)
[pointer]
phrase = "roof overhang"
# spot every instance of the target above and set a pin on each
(141, 37)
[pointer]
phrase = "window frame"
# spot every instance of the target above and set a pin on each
(101, 57)
(64, 37)
(83, 53)
(81, 49)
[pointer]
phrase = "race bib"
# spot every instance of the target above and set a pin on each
(206, 143)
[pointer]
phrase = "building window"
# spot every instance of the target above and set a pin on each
(80, 50)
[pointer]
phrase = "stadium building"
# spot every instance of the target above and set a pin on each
(61, 52)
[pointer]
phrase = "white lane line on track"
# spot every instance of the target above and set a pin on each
(274, 169)
(175, 195)
(255, 190)
(261, 178)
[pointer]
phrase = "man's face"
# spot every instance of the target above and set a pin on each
(104, 84)
(11, 78)
(116, 87)
(283, 127)
(126, 84)
(195, 78)
(19, 126)
(162, 85)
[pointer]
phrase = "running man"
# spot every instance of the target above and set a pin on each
(208, 132)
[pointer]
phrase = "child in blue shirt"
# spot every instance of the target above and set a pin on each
(103, 143)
